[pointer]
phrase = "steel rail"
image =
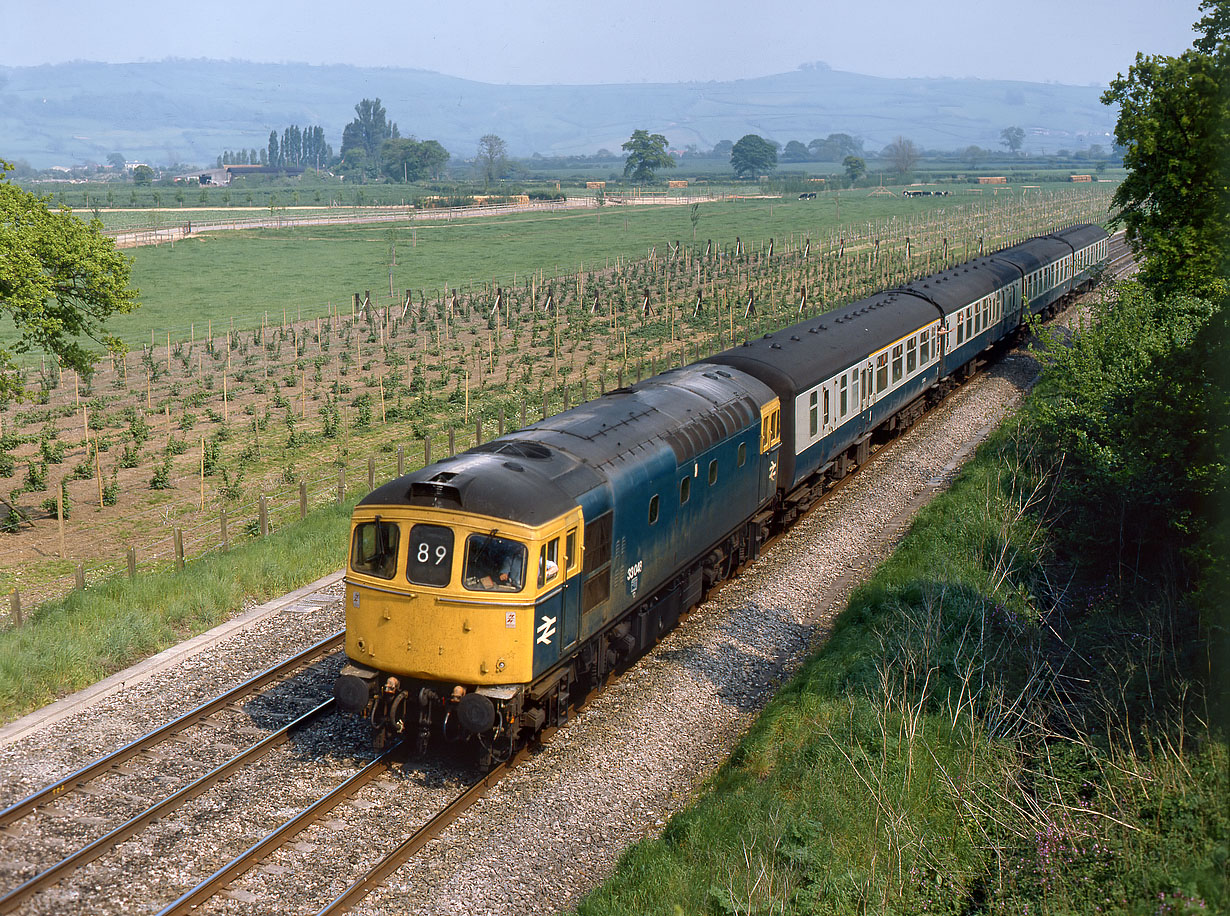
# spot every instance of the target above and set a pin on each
(20, 809)
(104, 844)
(394, 860)
(260, 850)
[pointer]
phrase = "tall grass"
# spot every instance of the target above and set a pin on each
(71, 643)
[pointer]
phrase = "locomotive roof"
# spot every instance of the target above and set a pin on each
(536, 474)
(805, 354)
(957, 287)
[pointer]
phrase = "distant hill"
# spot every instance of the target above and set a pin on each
(191, 110)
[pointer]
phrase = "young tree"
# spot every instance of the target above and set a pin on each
(1174, 122)
(1013, 138)
(60, 279)
(753, 155)
(492, 158)
(646, 153)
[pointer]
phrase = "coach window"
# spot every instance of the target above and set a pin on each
(742, 454)
(713, 472)
(960, 328)
(653, 510)
(811, 413)
(685, 490)
(922, 347)
(881, 372)
(844, 404)
(826, 406)
(854, 389)
(911, 355)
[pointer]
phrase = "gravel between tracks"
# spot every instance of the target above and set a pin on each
(556, 826)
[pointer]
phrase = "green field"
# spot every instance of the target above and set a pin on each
(306, 271)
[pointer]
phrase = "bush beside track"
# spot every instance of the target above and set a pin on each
(1022, 711)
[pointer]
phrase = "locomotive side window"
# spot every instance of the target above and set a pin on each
(742, 454)
(596, 567)
(548, 562)
(430, 557)
(494, 564)
(685, 490)
(713, 472)
(374, 552)
(653, 509)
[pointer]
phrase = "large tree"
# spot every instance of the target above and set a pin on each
(367, 132)
(753, 155)
(1013, 138)
(492, 158)
(1174, 123)
(903, 153)
(412, 160)
(646, 153)
(60, 279)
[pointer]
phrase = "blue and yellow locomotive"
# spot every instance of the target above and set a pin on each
(485, 592)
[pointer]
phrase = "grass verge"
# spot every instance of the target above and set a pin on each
(71, 643)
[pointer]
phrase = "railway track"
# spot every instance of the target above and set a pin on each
(147, 746)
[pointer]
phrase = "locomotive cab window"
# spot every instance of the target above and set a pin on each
(770, 429)
(374, 552)
(494, 564)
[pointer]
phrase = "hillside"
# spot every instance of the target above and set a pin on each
(190, 110)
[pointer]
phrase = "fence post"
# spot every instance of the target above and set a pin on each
(132, 562)
(60, 516)
(452, 442)
(371, 472)
(179, 549)
(523, 409)
(302, 500)
(226, 541)
(341, 485)
(15, 607)
(81, 577)
(263, 504)
(478, 431)
(426, 450)
(401, 460)
(501, 427)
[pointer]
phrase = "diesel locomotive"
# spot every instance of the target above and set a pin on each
(487, 591)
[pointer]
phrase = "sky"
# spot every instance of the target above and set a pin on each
(1078, 42)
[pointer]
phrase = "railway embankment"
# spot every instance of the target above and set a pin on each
(1020, 711)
